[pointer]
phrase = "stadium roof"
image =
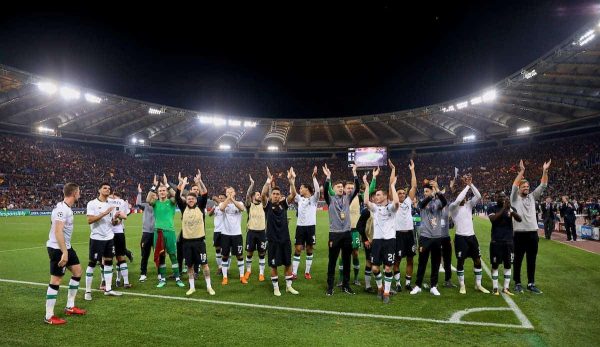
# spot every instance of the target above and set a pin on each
(559, 91)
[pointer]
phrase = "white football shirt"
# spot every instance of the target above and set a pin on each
(63, 213)
(232, 221)
(101, 229)
(403, 219)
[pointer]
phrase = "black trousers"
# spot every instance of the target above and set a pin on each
(339, 242)
(447, 257)
(548, 227)
(570, 229)
(526, 243)
(180, 253)
(146, 246)
(428, 247)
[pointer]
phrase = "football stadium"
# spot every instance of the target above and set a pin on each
(128, 219)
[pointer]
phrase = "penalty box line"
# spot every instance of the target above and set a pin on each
(299, 310)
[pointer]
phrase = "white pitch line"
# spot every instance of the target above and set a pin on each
(295, 309)
(520, 315)
(457, 316)
(36, 247)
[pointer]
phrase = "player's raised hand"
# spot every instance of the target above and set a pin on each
(468, 180)
(184, 181)
(251, 180)
(165, 181)
(326, 171)
(434, 184)
(391, 164)
(376, 172)
(521, 166)
(179, 178)
(198, 176)
(155, 181)
(547, 165)
(315, 171)
(411, 166)
(354, 170)
(365, 178)
(139, 188)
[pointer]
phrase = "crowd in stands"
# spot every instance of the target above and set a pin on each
(33, 169)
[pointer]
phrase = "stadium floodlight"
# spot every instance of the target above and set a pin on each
(43, 129)
(451, 108)
(469, 138)
(134, 140)
(273, 148)
(528, 74)
(523, 130)
(587, 37)
(225, 147)
(47, 87)
(249, 124)
(235, 123)
(69, 93)
(152, 110)
(488, 96)
(141, 141)
(219, 121)
(476, 100)
(462, 105)
(93, 98)
(206, 120)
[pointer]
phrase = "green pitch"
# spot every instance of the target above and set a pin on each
(567, 312)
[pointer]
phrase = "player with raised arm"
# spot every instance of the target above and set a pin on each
(340, 237)
(193, 235)
(355, 209)
(201, 192)
(501, 245)
(165, 239)
(219, 225)
(63, 256)
(256, 238)
(466, 244)
(526, 237)
(278, 233)
(405, 236)
(306, 238)
(383, 247)
(430, 235)
(231, 238)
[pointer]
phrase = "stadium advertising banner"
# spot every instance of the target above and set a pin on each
(13, 213)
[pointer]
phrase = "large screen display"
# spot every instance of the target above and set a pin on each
(368, 156)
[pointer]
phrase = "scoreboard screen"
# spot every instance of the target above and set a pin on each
(367, 156)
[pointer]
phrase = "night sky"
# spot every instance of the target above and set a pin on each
(274, 61)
